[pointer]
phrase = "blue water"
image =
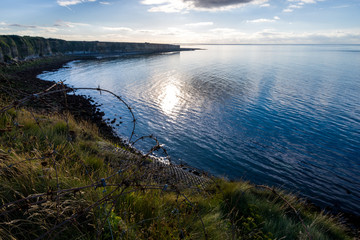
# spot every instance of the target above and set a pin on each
(282, 115)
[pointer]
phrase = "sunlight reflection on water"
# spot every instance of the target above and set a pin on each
(169, 99)
(279, 115)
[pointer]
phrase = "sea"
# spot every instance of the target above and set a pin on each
(283, 115)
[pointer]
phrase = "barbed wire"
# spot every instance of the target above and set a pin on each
(116, 185)
(59, 195)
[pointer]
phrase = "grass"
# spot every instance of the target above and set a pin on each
(56, 182)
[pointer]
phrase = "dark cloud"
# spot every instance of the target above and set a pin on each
(217, 3)
(21, 26)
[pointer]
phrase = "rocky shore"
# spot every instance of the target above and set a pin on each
(20, 80)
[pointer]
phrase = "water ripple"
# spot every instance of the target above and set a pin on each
(279, 115)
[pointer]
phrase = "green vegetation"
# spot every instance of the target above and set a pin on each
(58, 181)
(9, 70)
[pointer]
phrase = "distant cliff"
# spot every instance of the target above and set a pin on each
(14, 47)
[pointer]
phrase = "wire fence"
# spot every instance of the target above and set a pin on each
(136, 172)
(62, 205)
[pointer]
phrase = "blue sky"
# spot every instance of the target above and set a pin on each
(185, 21)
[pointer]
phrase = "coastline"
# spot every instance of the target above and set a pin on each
(26, 82)
(81, 107)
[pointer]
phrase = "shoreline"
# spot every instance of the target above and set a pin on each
(26, 82)
(83, 107)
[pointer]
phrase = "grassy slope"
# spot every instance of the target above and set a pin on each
(45, 153)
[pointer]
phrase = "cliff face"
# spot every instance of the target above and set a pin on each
(22, 48)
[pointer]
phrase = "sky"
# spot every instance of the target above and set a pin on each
(186, 21)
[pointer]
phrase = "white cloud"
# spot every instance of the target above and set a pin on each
(261, 20)
(275, 37)
(199, 24)
(264, 20)
(177, 35)
(22, 29)
(61, 23)
(66, 3)
(272, 36)
(167, 6)
(223, 30)
(28, 27)
(296, 4)
(49, 29)
(118, 29)
(197, 32)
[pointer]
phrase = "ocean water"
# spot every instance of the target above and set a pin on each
(282, 115)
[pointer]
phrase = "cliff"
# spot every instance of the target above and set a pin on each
(14, 47)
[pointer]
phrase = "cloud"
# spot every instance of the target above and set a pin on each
(118, 29)
(183, 34)
(271, 36)
(28, 27)
(199, 24)
(335, 36)
(264, 20)
(217, 3)
(167, 6)
(4, 26)
(105, 3)
(66, 3)
(261, 20)
(223, 30)
(184, 6)
(291, 7)
(61, 23)
(296, 4)
(288, 10)
(21, 26)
